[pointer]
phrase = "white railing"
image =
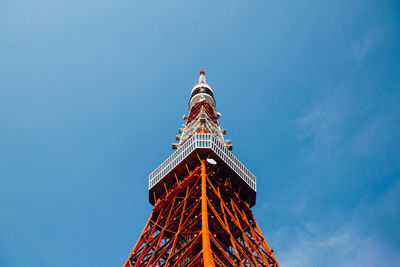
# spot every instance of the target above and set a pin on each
(202, 141)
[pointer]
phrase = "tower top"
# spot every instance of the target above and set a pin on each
(202, 76)
(202, 91)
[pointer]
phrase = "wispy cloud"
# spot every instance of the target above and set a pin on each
(367, 42)
(340, 125)
(322, 126)
(343, 247)
(339, 240)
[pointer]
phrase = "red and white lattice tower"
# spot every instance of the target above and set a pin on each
(202, 195)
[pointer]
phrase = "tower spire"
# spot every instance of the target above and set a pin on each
(202, 76)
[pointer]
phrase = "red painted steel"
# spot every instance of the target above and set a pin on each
(176, 234)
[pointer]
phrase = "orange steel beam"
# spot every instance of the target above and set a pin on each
(254, 234)
(207, 256)
(239, 225)
(179, 227)
(265, 243)
(229, 231)
(221, 249)
(128, 263)
(201, 203)
(245, 237)
(193, 242)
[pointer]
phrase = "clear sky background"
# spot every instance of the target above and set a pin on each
(92, 94)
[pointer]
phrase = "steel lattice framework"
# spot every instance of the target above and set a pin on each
(202, 199)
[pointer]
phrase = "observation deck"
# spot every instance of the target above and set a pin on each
(186, 156)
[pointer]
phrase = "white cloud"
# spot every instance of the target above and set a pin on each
(344, 246)
(367, 42)
(333, 127)
(340, 240)
(323, 125)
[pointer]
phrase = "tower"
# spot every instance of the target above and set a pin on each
(202, 195)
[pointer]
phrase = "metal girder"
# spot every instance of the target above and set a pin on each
(201, 221)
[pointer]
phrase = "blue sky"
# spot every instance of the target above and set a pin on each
(92, 94)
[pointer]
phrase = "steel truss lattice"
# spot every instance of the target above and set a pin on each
(201, 221)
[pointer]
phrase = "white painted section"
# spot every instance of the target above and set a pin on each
(202, 141)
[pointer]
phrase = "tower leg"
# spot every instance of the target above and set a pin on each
(201, 221)
(207, 255)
